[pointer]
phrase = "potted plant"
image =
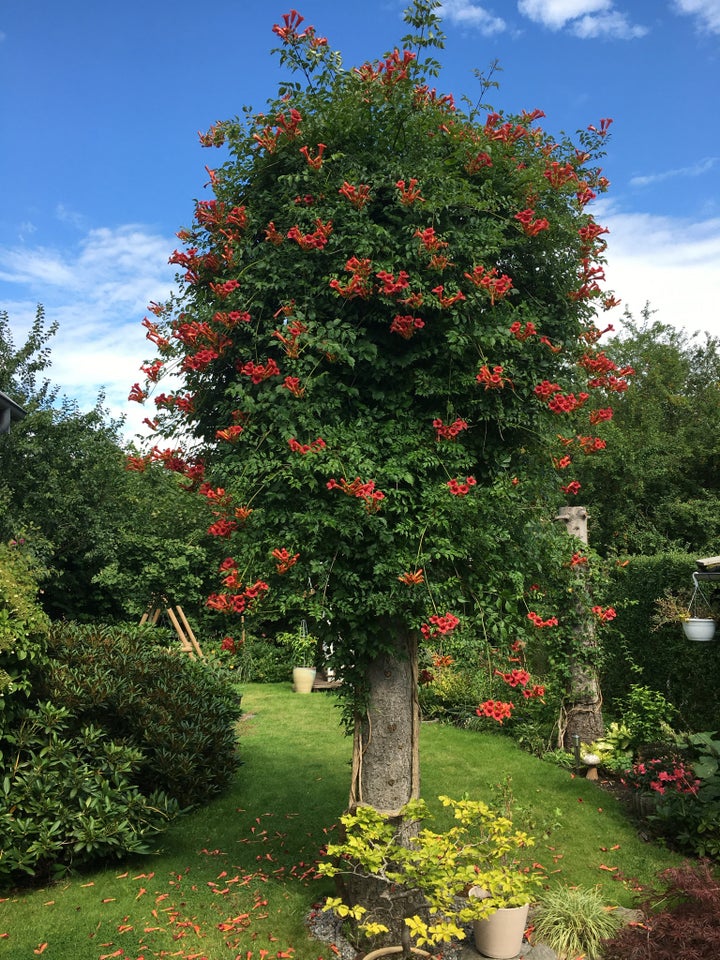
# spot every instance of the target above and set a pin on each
(424, 886)
(672, 608)
(303, 646)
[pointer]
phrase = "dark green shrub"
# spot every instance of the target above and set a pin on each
(23, 633)
(647, 715)
(180, 713)
(261, 660)
(68, 798)
(452, 693)
(690, 819)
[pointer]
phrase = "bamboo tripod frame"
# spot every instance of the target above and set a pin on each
(180, 623)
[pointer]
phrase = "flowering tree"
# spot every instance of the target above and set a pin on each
(386, 311)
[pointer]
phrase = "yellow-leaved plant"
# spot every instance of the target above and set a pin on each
(481, 849)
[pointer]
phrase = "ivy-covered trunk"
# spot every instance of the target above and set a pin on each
(386, 768)
(582, 711)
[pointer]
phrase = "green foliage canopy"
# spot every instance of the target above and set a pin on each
(381, 323)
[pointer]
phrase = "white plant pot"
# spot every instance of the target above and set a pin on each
(303, 679)
(500, 935)
(700, 629)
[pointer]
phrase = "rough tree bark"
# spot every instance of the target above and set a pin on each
(386, 775)
(386, 763)
(582, 711)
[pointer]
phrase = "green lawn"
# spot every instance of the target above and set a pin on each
(237, 876)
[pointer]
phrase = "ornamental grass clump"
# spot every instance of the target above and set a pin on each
(574, 921)
(420, 879)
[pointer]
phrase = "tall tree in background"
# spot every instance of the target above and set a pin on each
(110, 539)
(387, 311)
(657, 487)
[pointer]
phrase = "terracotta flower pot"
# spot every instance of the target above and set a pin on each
(500, 935)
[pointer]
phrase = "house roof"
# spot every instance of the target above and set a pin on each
(10, 412)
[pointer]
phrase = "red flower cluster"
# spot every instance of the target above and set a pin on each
(223, 528)
(199, 361)
(222, 290)
(495, 710)
(304, 448)
(137, 393)
(523, 333)
(439, 626)
(497, 286)
(410, 193)
(430, 239)
(591, 444)
(229, 434)
(597, 416)
(390, 285)
(412, 579)
(358, 196)
(290, 342)
(449, 432)
(406, 325)
(311, 241)
(447, 302)
(439, 660)
(314, 162)
(557, 174)
(284, 559)
(358, 285)
(538, 621)
(572, 489)
(567, 402)
(152, 372)
(293, 385)
(492, 380)
(363, 491)
(604, 615)
(514, 678)
(272, 235)
(258, 371)
(459, 489)
(530, 225)
(478, 162)
(237, 602)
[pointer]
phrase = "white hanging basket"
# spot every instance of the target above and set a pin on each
(699, 629)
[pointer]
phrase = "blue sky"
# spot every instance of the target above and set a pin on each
(100, 105)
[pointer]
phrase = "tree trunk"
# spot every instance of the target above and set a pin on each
(386, 775)
(386, 763)
(582, 712)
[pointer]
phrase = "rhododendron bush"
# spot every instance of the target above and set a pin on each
(387, 317)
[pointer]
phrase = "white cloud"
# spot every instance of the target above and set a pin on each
(98, 292)
(707, 12)
(465, 13)
(587, 19)
(696, 170)
(65, 215)
(669, 263)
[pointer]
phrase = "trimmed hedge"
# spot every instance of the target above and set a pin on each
(686, 673)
